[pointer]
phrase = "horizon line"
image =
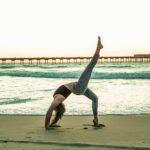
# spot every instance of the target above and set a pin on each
(135, 55)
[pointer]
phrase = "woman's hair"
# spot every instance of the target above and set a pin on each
(59, 111)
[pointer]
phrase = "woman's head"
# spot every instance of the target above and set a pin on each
(59, 111)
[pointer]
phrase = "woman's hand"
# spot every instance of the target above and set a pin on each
(47, 128)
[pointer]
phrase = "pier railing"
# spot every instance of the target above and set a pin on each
(53, 60)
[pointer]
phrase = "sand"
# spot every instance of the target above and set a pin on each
(121, 132)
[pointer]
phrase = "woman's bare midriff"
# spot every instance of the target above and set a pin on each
(70, 85)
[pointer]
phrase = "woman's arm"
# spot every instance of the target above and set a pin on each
(54, 104)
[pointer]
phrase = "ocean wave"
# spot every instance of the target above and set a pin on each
(113, 66)
(3, 66)
(76, 74)
(7, 66)
(17, 73)
(15, 100)
(124, 75)
(42, 90)
(56, 66)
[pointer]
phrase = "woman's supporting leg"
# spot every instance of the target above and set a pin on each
(91, 95)
(81, 86)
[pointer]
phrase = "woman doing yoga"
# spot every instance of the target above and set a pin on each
(79, 88)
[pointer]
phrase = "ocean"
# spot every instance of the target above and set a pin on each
(122, 88)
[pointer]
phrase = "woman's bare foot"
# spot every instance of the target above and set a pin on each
(54, 125)
(99, 44)
(96, 124)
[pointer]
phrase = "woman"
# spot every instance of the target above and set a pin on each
(78, 88)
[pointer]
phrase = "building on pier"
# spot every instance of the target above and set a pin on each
(141, 55)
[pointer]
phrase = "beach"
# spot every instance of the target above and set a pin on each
(121, 132)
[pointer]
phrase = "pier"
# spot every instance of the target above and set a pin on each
(54, 60)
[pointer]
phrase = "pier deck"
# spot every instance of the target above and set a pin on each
(46, 60)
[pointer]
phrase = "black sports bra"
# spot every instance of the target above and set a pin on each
(63, 91)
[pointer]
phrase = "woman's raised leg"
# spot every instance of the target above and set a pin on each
(81, 86)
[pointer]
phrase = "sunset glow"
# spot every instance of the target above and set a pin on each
(70, 27)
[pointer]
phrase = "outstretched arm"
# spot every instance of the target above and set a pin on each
(54, 104)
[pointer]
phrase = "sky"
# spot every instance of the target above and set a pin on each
(46, 28)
